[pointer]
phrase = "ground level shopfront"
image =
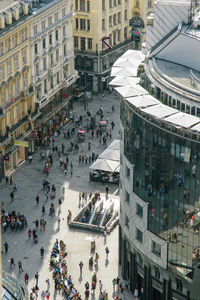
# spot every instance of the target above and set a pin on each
(145, 277)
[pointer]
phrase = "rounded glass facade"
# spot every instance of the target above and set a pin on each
(167, 176)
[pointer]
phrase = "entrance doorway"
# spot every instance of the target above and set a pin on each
(157, 295)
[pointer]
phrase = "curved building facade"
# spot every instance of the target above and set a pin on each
(159, 233)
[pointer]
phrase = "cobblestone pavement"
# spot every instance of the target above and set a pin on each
(28, 178)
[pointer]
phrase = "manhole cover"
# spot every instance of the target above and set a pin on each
(25, 257)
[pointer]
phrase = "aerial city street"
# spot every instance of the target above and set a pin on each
(99, 149)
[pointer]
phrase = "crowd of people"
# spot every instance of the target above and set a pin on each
(50, 154)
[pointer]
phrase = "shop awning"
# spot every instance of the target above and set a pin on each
(21, 143)
(124, 81)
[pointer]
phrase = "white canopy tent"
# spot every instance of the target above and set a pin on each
(126, 91)
(110, 154)
(115, 145)
(124, 81)
(105, 165)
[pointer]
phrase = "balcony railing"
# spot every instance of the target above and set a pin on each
(19, 123)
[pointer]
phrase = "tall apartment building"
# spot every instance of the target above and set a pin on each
(16, 94)
(53, 62)
(101, 34)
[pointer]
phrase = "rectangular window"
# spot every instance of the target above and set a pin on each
(10, 93)
(65, 50)
(25, 81)
(49, 20)
(76, 24)
(126, 221)
(90, 44)
(115, 2)
(82, 5)
(137, 4)
(35, 29)
(1, 48)
(75, 42)
(44, 64)
(25, 33)
(149, 3)
(56, 35)
(88, 25)
(51, 59)
(24, 58)
(139, 235)
(139, 210)
(82, 43)
(119, 35)
(20, 36)
(57, 78)
(16, 62)
(114, 19)
(15, 40)
(82, 24)
(37, 69)
(127, 172)
(76, 4)
(56, 17)
(127, 197)
(45, 86)
(64, 30)
(119, 17)
(44, 43)
(50, 39)
(3, 100)
(17, 85)
(57, 56)
(2, 72)
(43, 25)
(88, 5)
(114, 38)
(156, 248)
(125, 33)
(9, 67)
(36, 49)
(110, 21)
(8, 44)
(51, 82)
(110, 3)
(103, 5)
(125, 14)
(63, 11)
(103, 24)
(119, 2)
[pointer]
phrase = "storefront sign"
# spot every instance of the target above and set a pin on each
(21, 143)
(137, 21)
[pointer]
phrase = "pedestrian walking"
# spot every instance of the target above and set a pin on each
(81, 267)
(12, 196)
(43, 210)
(36, 277)
(105, 235)
(20, 266)
(114, 284)
(11, 180)
(48, 284)
(47, 196)
(12, 262)
(6, 247)
(37, 199)
(7, 179)
(26, 278)
(43, 295)
(100, 286)
(47, 294)
(107, 252)
(29, 233)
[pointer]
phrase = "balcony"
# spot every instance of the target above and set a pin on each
(18, 124)
(4, 138)
(54, 69)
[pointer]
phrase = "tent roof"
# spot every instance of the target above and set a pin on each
(105, 165)
(160, 111)
(143, 101)
(124, 81)
(126, 91)
(115, 145)
(110, 154)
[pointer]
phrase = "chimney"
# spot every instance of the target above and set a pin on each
(9, 17)
(16, 13)
(25, 8)
(2, 21)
